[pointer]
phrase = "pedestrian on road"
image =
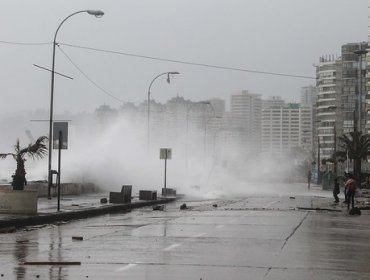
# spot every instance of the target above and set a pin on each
(309, 175)
(351, 190)
(336, 190)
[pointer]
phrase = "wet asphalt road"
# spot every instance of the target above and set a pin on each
(253, 238)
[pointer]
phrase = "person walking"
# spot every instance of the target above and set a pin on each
(336, 190)
(309, 175)
(351, 190)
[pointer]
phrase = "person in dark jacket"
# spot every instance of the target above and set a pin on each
(351, 190)
(336, 190)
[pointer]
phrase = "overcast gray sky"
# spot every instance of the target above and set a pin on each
(282, 36)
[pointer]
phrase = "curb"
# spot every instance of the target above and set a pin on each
(48, 218)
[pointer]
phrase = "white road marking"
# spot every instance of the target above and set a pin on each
(220, 226)
(201, 234)
(172, 246)
(126, 267)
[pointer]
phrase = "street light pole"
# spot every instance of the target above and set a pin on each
(96, 13)
(335, 142)
(150, 86)
(335, 153)
(318, 161)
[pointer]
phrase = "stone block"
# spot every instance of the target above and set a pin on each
(18, 202)
(168, 192)
(147, 195)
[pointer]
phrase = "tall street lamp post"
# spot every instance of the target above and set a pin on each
(357, 124)
(150, 86)
(318, 161)
(335, 163)
(96, 13)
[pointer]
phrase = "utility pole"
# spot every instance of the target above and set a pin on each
(335, 152)
(318, 160)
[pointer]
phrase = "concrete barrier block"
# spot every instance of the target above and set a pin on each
(168, 192)
(147, 195)
(18, 202)
(126, 190)
(116, 197)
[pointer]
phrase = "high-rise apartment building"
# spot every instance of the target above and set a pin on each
(272, 101)
(286, 128)
(218, 106)
(328, 112)
(308, 96)
(353, 86)
(306, 130)
(340, 83)
(246, 110)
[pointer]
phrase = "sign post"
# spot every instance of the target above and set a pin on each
(60, 141)
(165, 154)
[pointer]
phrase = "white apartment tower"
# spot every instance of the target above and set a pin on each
(246, 110)
(328, 109)
(286, 128)
(273, 101)
(308, 96)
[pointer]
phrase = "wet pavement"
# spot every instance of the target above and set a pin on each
(255, 237)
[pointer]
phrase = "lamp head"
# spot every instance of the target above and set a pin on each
(96, 13)
(171, 73)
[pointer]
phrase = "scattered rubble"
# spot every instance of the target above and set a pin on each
(52, 263)
(158, 207)
(103, 200)
(355, 211)
(79, 238)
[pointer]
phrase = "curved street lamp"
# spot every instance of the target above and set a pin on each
(150, 86)
(96, 13)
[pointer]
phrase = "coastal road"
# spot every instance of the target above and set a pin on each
(257, 237)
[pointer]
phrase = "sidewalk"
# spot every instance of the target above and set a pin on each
(362, 200)
(71, 208)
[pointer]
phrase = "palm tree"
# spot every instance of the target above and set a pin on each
(35, 151)
(356, 147)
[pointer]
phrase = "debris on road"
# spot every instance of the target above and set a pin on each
(355, 211)
(292, 197)
(79, 238)
(158, 207)
(318, 209)
(104, 200)
(52, 263)
(215, 205)
(183, 206)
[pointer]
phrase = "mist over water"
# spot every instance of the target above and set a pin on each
(114, 152)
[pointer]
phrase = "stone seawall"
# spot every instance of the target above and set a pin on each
(65, 188)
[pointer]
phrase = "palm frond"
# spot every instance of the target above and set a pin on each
(2, 156)
(38, 149)
(17, 147)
